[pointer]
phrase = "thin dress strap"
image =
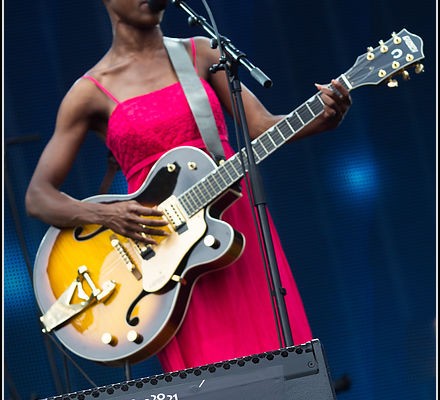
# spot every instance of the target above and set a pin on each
(101, 87)
(96, 82)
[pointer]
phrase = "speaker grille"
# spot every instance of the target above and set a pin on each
(296, 372)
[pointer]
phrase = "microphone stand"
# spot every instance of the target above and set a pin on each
(231, 58)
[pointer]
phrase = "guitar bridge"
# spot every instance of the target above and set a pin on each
(63, 310)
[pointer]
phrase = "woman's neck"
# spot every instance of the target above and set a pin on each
(128, 39)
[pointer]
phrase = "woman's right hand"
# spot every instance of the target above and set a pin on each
(133, 220)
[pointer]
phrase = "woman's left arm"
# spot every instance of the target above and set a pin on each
(336, 102)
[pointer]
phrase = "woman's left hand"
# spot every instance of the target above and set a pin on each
(337, 102)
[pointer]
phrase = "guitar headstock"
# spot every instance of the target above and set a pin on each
(386, 61)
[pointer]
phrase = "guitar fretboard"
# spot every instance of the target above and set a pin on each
(219, 180)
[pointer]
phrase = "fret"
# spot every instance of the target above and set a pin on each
(300, 119)
(310, 109)
(237, 161)
(236, 169)
(223, 177)
(256, 155)
(203, 189)
(305, 115)
(259, 149)
(268, 143)
(207, 186)
(218, 179)
(290, 125)
(297, 123)
(200, 195)
(280, 131)
(196, 200)
(320, 100)
(316, 105)
(345, 82)
(285, 129)
(244, 159)
(277, 135)
(187, 204)
(184, 203)
(229, 168)
(272, 133)
(210, 179)
(190, 198)
(271, 136)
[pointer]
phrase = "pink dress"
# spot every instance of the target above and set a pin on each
(230, 312)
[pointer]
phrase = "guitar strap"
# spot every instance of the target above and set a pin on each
(198, 101)
(196, 96)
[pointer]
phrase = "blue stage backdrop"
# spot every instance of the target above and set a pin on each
(355, 207)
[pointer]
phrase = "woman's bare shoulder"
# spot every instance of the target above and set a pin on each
(84, 96)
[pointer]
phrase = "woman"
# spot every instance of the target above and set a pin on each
(133, 100)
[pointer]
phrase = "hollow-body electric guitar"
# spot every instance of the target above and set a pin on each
(110, 299)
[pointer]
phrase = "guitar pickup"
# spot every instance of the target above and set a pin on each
(63, 310)
(174, 213)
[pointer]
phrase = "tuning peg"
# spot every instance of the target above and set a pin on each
(419, 68)
(396, 39)
(392, 83)
(383, 46)
(405, 75)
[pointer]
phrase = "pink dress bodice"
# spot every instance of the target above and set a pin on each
(230, 313)
(142, 128)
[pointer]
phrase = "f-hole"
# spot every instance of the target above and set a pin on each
(133, 321)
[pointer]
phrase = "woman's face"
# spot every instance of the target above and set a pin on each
(135, 12)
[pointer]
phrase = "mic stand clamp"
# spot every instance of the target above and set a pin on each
(229, 61)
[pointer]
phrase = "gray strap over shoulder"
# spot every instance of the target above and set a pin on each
(196, 96)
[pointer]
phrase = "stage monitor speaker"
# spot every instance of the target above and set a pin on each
(290, 373)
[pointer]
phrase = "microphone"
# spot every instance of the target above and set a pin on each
(157, 5)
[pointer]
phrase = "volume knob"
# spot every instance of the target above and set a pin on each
(211, 241)
(108, 338)
(135, 337)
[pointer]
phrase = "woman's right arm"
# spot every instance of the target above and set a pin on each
(79, 112)
(43, 197)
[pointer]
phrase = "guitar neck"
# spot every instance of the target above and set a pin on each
(209, 188)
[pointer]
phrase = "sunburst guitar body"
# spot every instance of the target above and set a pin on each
(145, 290)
